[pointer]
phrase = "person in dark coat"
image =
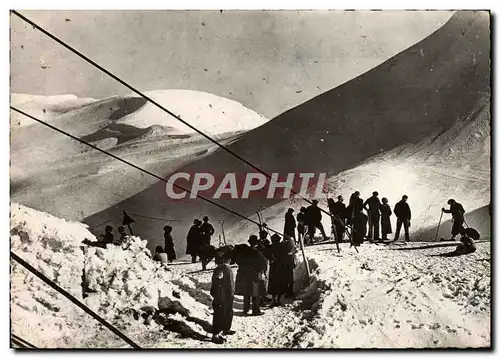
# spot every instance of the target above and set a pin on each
(206, 230)
(194, 240)
(354, 198)
(290, 224)
(222, 291)
(385, 218)
(301, 224)
(277, 285)
(169, 243)
(339, 216)
(457, 212)
(372, 206)
(359, 224)
(124, 239)
(403, 214)
(256, 285)
(313, 218)
(289, 251)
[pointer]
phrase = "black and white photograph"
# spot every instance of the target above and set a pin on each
(250, 179)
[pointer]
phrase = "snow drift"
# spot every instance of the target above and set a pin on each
(118, 284)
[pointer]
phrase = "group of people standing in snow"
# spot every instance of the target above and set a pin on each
(375, 225)
(264, 268)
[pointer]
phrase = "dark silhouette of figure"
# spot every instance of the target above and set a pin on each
(353, 200)
(290, 224)
(277, 284)
(457, 212)
(207, 230)
(169, 243)
(338, 211)
(107, 238)
(359, 222)
(256, 283)
(222, 291)
(301, 223)
(385, 218)
(313, 218)
(194, 240)
(403, 214)
(372, 206)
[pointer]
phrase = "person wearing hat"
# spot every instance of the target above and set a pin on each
(207, 230)
(169, 243)
(385, 218)
(194, 240)
(290, 224)
(457, 212)
(222, 291)
(403, 215)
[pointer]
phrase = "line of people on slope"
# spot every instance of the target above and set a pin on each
(264, 268)
(376, 221)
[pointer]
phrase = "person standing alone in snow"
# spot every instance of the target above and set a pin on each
(373, 210)
(403, 214)
(385, 218)
(222, 291)
(457, 212)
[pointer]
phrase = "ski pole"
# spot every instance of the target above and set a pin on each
(437, 231)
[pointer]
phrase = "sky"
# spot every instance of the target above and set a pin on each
(270, 61)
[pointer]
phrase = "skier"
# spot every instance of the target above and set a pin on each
(289, 224)
(169, 243)
(194, 240)
(457, 211)
(289, 250)
(207, 230)
(313, 218)
(339, 216)
(464, 247)
(385, 219)
(222, 291)
(372, 206)
(403, 214)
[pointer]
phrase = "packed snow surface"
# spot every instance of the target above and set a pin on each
(403, 295)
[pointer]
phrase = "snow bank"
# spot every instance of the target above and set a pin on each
(119, 283)
(382, 298)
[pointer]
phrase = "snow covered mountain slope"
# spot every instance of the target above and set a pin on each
(402, 127)
(59, 175)
(207, 112)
